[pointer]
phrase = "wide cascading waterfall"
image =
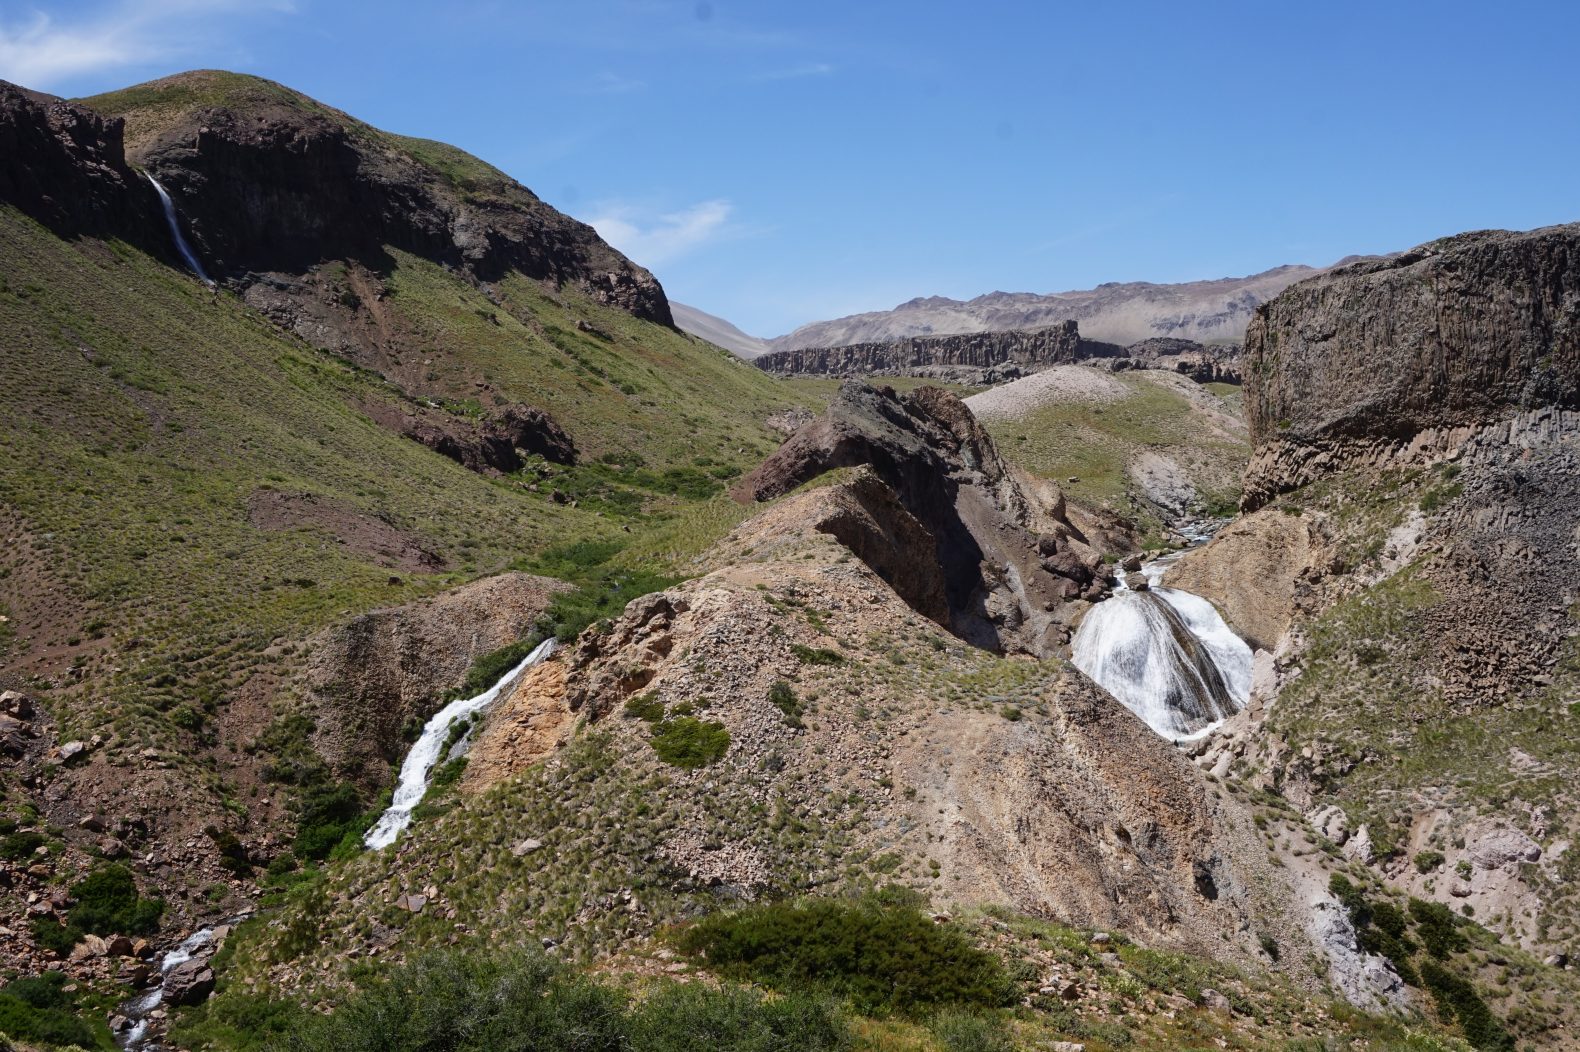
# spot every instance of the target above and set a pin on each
(413, 782)
(1168, 657)
(175, 232)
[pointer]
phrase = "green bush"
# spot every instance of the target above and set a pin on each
(108, 904)
(783, 697)
(53, 936)
(690, 742)
(880, 954)
(1438, 928)
(817, 655)
(326, 816)
(524, 1002)
(1457, 999)
(1427, 861)
(645, 707)
(21, 845)
(37, 1008)
(491, 667)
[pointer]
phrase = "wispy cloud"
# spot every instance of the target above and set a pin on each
(41, 51)
(607, 83)
(810, 69)
(658, 239)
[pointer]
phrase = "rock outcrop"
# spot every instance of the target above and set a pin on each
(1399, 360)
(498, 442)
(272, 181)
(1027, 349)
(373, 675)
(65, 165)
(1008, 562)
(1205, 365)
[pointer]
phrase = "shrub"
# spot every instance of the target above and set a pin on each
(966, 1032)
(108, 904)
(327, 815)
(37, 1008)
(232, 852)
(690, 742)
(1427, 861)
(1438, 928)
(783, 697)
(53, 936)
(645, 707)
(1456, 998)
(492, 666)
(472, 1002)
(21, 845)
(817, 655)
(882, 955)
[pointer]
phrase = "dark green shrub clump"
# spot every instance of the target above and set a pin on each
(783, 697)
(1438, 928)
(38, 1008)
(690, 742)
(525, 1002)
(1427, 861)
(645, 707)
(817, 655)
(881, 954)
(328, 816)
(491, 667)
(1457, 999)
(108, 904)
(21, 845)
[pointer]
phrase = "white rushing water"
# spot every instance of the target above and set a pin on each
(413, 782)
(175, 231)
(1167, 655)
(137, 1036)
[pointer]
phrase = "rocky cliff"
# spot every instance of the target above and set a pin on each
(273, 181)
(1399, 360)
(1008, 557)
(1029, 348)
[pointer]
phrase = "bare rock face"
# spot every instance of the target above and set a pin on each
(371, 675)
(1007, 561)
(1267, 547)
(189, 982)
(1401, 359)
(1205, 365)
(937, 355)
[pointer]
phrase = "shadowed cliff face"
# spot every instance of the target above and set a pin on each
(65, 166)
(1366, 361)
(1009, 564)
(272, 181)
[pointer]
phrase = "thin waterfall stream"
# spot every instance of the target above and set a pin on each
(1167, 655)
(175, 232)
(424, 755)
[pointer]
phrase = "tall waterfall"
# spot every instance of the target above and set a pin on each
(175, 231)
(413, 782)
(1167, 655)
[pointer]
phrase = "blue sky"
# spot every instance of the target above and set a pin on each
(778, 163)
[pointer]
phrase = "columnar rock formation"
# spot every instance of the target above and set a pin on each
(1401, 359)
(1027, 348)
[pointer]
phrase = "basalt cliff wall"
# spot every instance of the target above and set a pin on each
(1402, 360)
(1028, 348)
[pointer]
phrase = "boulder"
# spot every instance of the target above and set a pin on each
(189, 983)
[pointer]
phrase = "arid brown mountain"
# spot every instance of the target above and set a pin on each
(974, 353)
(1119, 312)
(716, 331)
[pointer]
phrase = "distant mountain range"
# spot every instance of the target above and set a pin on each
(1212, 312)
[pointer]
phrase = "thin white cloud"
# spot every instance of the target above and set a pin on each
(656, 240)
(607, 83)
(810, 69)
(41, 51)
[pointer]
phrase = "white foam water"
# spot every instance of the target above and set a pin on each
(413, 781)
(175, 231)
